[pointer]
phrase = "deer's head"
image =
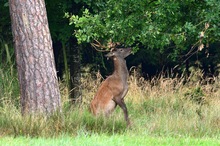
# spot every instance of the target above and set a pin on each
(119, 52)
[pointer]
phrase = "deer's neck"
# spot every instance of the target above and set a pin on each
(120, 68)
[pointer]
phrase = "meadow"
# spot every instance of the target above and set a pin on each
(163, 111)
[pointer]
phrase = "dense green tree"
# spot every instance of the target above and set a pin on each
(174, 30)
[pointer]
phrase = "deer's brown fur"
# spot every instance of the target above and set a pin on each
(113, 90)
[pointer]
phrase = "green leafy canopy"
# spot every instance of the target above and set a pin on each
(153, 23)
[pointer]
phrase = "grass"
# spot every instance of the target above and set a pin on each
(163, 111)
(9, 89)
(103, 140)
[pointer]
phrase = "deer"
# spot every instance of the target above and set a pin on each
(114, 88)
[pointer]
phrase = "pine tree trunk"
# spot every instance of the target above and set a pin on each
(39, 90)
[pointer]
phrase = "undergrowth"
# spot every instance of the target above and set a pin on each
(161, 106)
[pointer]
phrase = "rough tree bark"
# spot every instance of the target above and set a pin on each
(39, 90)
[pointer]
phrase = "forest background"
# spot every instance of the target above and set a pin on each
(176, 51)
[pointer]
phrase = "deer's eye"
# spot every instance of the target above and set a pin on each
(121, 50)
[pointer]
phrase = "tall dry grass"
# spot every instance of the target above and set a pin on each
(162, 106)
(168, 106)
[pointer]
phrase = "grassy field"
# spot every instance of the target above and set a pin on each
(106, 140)
(163, 111)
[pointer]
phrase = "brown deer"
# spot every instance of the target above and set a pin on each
(113, 90)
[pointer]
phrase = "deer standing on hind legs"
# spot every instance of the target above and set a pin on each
(113, 90)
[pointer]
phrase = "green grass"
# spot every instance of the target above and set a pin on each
(162, 112)
(154, 118)
(107, 140)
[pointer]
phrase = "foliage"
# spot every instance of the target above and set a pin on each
(59, 28)
(159, 24)
(168, 32)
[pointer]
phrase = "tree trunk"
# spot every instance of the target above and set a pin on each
(66, 68)
(75, 74)
(39, 90)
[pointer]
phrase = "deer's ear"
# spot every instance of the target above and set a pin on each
(110, 54)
